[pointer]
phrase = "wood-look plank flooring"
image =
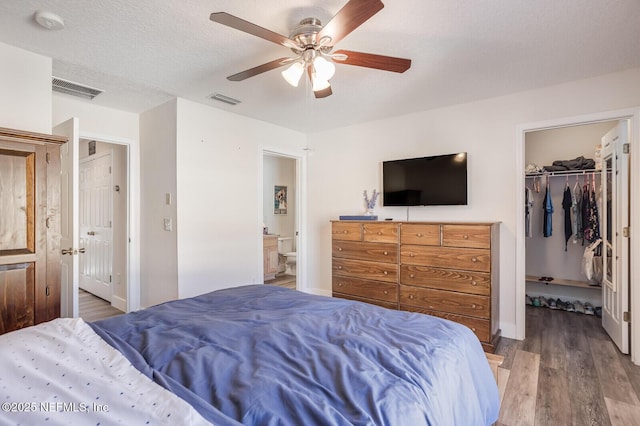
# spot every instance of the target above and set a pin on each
(566, 372)
(93, 308)
(282, 280)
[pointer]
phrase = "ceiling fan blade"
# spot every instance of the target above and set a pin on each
(253, 29)
(243, 75)
(350, 17)
(323, 93)
(369, 60)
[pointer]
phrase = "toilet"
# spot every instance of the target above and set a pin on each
(287, 256)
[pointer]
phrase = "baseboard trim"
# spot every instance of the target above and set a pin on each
(119, 303)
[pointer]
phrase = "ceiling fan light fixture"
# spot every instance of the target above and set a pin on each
(324, 69)
(293, 73)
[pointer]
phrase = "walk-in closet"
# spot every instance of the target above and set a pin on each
(571, 205)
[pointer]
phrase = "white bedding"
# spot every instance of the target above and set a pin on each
(62, 372)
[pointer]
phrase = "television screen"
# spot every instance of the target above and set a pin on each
(439, 180)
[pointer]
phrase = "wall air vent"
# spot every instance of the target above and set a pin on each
(223, 98)
(74, 89)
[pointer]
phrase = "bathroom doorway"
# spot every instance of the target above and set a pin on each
(281, 206)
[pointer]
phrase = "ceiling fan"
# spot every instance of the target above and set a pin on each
(313, 44)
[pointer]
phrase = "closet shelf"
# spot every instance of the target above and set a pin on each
(563, 173)
(561, 281)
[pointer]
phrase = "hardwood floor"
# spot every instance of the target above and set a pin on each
(93, 308)
(566, 372)
(288, 281)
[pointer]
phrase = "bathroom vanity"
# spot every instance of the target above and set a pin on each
(270, 256)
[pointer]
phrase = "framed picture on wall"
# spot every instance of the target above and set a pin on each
(280, 200)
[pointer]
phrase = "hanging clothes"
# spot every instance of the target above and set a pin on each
(592, 230)
(548, 211)
(576, 210)
(585, 212)
(528, 211)
(567, 204)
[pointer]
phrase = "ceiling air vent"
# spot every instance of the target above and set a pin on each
(74, 89)
(223, 98)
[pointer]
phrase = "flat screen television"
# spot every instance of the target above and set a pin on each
(439, 180)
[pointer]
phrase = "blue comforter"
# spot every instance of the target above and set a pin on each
(264, 355)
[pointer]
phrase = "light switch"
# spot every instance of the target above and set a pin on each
(168, 224)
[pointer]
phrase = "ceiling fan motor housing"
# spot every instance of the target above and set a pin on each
(306, 33)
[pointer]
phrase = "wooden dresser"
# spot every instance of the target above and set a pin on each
(29, 228)
(449, 270)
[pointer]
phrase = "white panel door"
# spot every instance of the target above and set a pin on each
(69, 154)
(615, 249)
(96, 226)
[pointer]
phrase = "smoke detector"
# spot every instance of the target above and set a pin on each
(49, 20)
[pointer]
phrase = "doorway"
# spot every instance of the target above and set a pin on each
(632, 118)
(281, 205)
(103, 181)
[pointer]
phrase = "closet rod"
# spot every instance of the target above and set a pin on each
(564, 173)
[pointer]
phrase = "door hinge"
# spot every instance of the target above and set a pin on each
(625, 148)
(109, 278)
(47, 291)
(47, 158)
(626, 232)
(109, 169)
(626, 316)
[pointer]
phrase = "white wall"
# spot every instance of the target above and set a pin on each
(219, 186)
(25, 90)
(159, 254)
(279, 171)
(97, 120)
(346, 161)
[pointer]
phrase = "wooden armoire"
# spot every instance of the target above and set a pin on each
(29, 228)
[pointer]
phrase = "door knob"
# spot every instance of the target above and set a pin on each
(67, 251)
(81, 250)
(91, 233)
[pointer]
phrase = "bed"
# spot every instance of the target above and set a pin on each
(249, 355)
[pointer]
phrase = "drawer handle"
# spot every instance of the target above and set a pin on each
(386, 292)
(473, 329)
(419, 235)
(474, 283)
(473, 259)
(345, 232)
(339, 248)
(412, 275)
(339, 266)
(466, 237)
(386, 253)
(379, 233)
(473, 306)
(411, 296)
(410, 254)
(339, 284)
(385, 272)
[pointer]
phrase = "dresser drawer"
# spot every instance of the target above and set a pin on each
(447, 257)
(382, 303)
(446, 301)
(481, 327)
(366, 288)
(366, 269)
(474, 236)
(380, 232)
(349, 231)
(423, 234)
(446, 279)
(379, 252)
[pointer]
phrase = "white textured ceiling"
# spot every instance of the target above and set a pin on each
(143, 52)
